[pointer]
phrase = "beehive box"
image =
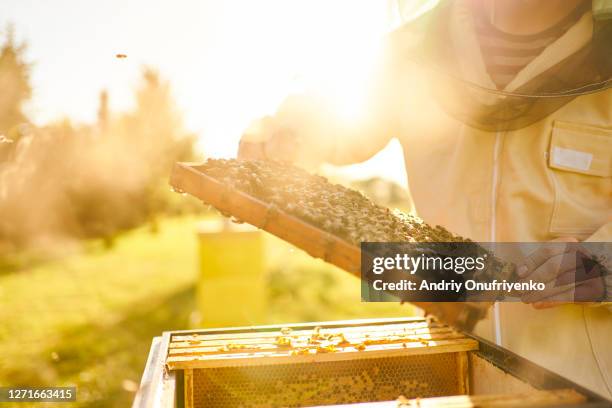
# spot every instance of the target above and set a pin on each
(414, 362)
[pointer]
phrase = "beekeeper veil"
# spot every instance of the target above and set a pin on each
(577, 63)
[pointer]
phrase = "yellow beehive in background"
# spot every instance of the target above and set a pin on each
(231, 289)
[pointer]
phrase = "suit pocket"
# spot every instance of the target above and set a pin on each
(580, 163)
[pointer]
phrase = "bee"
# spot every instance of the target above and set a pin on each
(342, 341)
(233, 346)
(283, 342)
(326, 349)
(316, 334)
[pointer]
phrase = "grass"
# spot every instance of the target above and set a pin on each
(87, 318)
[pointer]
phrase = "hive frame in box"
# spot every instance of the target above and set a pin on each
(161, 387)
(188, 178)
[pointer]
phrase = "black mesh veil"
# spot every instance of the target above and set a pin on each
(587, 70)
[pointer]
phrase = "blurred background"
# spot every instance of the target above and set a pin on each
(97, 101)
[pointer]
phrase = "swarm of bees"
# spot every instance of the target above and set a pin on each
(334, 208)
(317, 342)
(330, 342)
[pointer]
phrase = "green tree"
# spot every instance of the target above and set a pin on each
(155, 128)
(14, 85)
(156, 138)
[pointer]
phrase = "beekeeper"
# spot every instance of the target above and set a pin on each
(504, 112)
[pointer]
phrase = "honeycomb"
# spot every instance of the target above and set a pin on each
(321, 383)
(340, 211)
(332, 207)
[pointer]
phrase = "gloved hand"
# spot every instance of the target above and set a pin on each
(568, 272)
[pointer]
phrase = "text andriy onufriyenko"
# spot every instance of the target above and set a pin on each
(452, 285)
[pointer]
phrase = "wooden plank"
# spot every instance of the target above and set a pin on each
(535, 399)
(156, 387)
(169, 390)
(188, 387)
(272, 333)
(463, 374)
(416, 334)
(369, 324)
(229, 347)
(149, 382)
(420, 334)
(486, 378)
(331, 324)
(370, 351)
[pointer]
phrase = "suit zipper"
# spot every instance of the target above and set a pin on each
(493, 231)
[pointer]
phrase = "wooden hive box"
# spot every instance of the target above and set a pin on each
(421, 362)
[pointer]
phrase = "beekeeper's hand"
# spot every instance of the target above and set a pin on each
(266, 138)
(296, 133)
(567, 271)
